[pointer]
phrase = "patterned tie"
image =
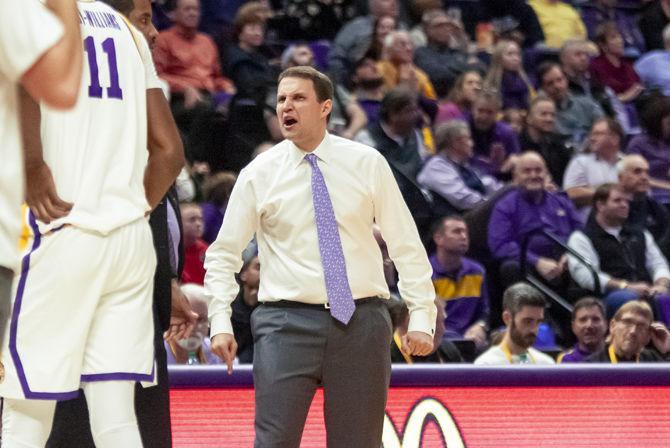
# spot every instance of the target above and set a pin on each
(332, 258)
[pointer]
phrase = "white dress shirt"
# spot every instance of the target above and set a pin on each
(273, 198)
(655, 262)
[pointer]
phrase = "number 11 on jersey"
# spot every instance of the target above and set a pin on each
(95, 90)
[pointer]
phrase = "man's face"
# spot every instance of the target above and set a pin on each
(603, 141)
(630, 334)
(454, 237)
(635, 177)
(187, 13)
(484, 114)
(404, 121)
(616, 208)
(251, 280)
(576, 59)
(555, 84)
(523, 327)
(302, 118)
(440, 30)
(542, 117)
(589, 326)
(140, 16)
(191, 218)
(463, 145)
(402, 50)
(530, 174)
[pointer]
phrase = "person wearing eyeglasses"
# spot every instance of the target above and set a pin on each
(631, 330)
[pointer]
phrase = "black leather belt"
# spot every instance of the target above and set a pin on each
(320, 306)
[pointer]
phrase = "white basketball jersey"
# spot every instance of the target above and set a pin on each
(97, 152)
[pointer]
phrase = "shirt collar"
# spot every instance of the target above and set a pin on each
(323, 152)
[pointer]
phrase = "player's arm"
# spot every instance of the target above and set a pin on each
(41, 195)
(166, 152)
(56, 75)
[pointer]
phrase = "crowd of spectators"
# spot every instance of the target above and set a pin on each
(530, 141)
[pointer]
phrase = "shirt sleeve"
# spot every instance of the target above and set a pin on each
(655, 262)
(575, 175)
(501, 240)
(443, 178)
(405, 249)
(224, 256)
(581, 244)
(27, 31)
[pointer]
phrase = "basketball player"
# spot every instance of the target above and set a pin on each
(34, 42)
(82, 310)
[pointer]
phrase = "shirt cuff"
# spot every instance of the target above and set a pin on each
(220, 323)
(420, 321)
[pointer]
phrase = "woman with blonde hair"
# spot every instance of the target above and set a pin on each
(458, 102)
(507, 76)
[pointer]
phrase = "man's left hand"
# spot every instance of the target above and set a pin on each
(182, 319)
(417, 343)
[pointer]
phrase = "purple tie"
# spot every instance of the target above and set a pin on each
(332, 258)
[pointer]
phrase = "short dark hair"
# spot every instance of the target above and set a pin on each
(522, 294)
(439, 224)
(613, 126)
(588, 302)
(322, 84)
(545, 68)
(395, 100)
(491, 96)
(125, 7)
(602, 193)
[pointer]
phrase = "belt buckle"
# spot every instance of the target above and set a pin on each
(326, 305)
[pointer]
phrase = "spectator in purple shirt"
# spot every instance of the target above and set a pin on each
(531, 207)
(494, 140)
(460, 283)
(589, 326)
(216, 191)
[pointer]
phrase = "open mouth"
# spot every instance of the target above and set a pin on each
(289, 122)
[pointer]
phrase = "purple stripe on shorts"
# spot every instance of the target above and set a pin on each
(14, 325)
(119, 376)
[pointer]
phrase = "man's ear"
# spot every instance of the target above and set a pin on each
(326, 107)
(507, 318)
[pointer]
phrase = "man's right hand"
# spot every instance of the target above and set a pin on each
(641, 288)
(41, 195)
(548, 268)
(225, 347)
(192, 96)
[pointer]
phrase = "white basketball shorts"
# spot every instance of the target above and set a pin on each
(82, 311)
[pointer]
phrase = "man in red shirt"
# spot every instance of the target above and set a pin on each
(194, 246)
(189, 61)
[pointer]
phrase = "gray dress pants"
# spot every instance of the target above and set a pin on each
(299, 348)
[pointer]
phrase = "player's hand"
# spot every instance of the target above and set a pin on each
(225, 347)
(417, 343)
(41, 195)
(182, 318)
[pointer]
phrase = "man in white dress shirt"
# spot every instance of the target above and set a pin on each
(312, 201)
